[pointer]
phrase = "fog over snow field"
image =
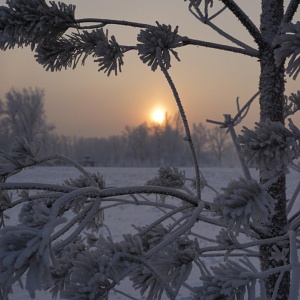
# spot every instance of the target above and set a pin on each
(119, 219)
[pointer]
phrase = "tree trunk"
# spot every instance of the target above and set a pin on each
(271, 107)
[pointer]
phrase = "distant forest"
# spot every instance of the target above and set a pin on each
(22, 114)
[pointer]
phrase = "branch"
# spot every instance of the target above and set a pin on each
(224, 34)
(245, 20)
(290, 11)
(188, 41)
(104, 22)
(105, 193)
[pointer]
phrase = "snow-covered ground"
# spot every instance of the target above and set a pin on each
(119, 220)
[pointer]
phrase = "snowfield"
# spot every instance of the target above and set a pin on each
(119, 219)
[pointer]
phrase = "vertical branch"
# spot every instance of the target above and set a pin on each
(188, 136)
(293, 199)
(237, 146)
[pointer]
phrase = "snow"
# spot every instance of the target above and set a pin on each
(119, 219)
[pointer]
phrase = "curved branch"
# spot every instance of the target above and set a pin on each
(245, 20)
(188, 137)
(105, 193)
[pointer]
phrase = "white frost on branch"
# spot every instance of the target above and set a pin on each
(288, 43)
(243, 203)
(27, 22)
(231, 281)
(270, 147)
(168, 177)
(24, 249)
(161, 37)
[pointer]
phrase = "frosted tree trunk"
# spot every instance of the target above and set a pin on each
(271, 106)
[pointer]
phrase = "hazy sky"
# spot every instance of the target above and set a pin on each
(86, 102)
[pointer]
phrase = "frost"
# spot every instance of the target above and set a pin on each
(83, 181)
(168, 177)
(289, 47)
(22, 154)
(173, 265)
(241, 202)
(96, 272)
(161, 37)
(270, 147)
(231, 281)
(35, 213)
(27, 22)
(62, 271)
(23, 248)
(111, 56)
(151, 237)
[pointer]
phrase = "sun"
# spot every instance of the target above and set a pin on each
(158, 115)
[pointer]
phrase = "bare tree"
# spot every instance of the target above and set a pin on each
(22, 114)
(218, 142)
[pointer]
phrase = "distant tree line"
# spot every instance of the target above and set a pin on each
(22, 114)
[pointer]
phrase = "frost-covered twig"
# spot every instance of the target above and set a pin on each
(178, 233)
(188, 136)
(86, 219)
(189, 41)
(224, 34)
(290, 11)
(245, 20)
(293, 199)
(240, 246)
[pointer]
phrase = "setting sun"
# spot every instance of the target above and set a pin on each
(158, 115)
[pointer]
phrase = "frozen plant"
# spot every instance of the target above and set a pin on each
(254, 253)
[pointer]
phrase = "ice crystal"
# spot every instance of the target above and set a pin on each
(280, 255)
(27, 22)
(231, 281)
(35, 213)
(242, 201)
(21, 149)
(291, 104)
(160, 38)
(83, 181)
(289, 47)
(226, 238)
(96, 272)
(151, 237)
(270, 147)
(24, 248)
(91, 277)
(21, 154)
(110, 55)
(174, 265)
(66, 52)
(62, 271)
(168, 177)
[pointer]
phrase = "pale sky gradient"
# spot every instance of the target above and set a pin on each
(84, 102)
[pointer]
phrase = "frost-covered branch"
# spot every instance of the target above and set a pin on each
(248, 52)
(188, 136)
(207, 21)
(244, 19)
(290, 11)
